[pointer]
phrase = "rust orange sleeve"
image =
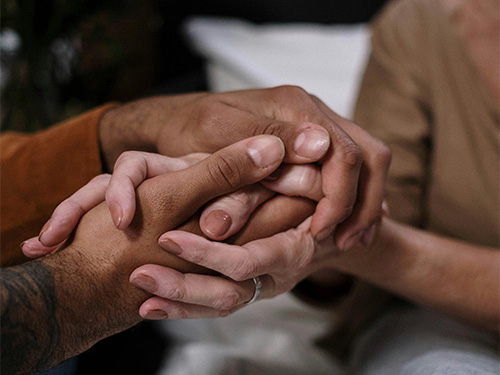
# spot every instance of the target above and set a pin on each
(40, 170)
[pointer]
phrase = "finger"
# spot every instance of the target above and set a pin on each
(237, 166)
(304, 141)
(287, 250)
(341, 167)
(227, 215)
(67, 214)
(371, 187)
(182, 193)
(340, 177)
(156, 308)
(300, 180)
(368, 209)
(33, 248)
(130, 170)
(216, 292)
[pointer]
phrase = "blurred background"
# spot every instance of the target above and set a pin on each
(61, 57)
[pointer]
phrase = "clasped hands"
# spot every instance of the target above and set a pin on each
(268, 183)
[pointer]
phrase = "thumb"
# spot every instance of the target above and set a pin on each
(173, 197)
(238, 165)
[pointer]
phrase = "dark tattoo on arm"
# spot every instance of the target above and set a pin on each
(30, 331)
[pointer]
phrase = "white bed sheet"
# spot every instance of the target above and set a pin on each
(269, 337)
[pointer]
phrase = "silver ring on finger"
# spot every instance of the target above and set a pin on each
(258, 290)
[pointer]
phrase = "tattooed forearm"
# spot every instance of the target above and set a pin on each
(30, 332)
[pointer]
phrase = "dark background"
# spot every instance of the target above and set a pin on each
(119, 51)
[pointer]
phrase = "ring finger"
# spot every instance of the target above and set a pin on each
(217, 292)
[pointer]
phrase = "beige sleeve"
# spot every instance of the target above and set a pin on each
(391, 106)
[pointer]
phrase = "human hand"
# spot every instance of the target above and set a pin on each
(220, 219)
(280, 261)
(165, 202)
(353, 164)
(285, 258)
(131, 169)
(88, 283)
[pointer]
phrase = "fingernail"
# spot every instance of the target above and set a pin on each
(275, 175)
(44, 230)
(156, 315)
(217, 223)
(353, 240)
(266, 150)
(312, 143)
(30, 251)
(324, 233)
(368, 235)
(25, 248)
(116, 214)
(170, 246)
(145, 282)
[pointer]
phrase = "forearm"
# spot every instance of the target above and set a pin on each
(30, 330)
(82, 294)
(52, 309)
(457, 278)
(57, 307)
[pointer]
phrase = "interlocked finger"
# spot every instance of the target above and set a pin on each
(227, 215)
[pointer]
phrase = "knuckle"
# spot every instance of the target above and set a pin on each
(341, 210)
(228, 300)
(290, 90)
(295, 97)
(175, 294)
(132, 159)
(179, 312)
(271, 128)
(240, 203)
(300, 259)
(244, 270)
(226, 172)
(102, 178)
(383, 155)
(126, 155)
(69, 208)
(344, 212)
(351, 155)
(198, 257)
(315, 99)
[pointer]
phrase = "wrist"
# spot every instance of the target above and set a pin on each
(123, 128)
(94, 301)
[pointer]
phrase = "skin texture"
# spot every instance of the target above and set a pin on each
(100, 256)
(353, 164)
(41, 322)
(455, 277)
